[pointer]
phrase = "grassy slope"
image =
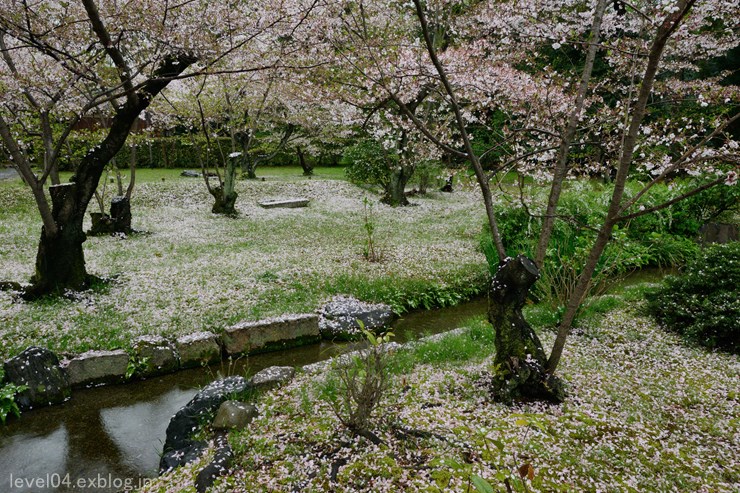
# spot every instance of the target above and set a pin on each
(197, 271)
(644, 413)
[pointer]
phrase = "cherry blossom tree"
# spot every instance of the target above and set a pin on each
(498, 59)
(63, 61)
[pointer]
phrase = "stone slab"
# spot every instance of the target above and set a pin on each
(97, 367)
(199, 348)
(156, 354)
(272, 334)
(288, 203)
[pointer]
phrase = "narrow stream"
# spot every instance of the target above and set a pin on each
(109, 438)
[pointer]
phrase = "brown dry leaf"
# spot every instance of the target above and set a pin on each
(526, 470)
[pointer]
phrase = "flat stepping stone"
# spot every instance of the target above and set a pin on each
(289, 203)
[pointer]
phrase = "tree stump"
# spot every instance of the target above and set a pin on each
(520, 360)
(120, 212)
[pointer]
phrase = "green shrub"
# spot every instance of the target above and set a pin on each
(367, 162)
(8, 392)
(357, 383)
(661, 239)
(702, 303)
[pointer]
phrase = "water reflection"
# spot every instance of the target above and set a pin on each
(23, 454)
(131, 429)
(112, 436)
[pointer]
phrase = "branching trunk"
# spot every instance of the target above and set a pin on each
(60, 261)
(561, 165)
(225, 196)
(249, 162)
(666, 29)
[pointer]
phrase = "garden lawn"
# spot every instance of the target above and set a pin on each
(644, 414)
(193, 270)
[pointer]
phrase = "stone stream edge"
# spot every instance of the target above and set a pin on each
(50, 380)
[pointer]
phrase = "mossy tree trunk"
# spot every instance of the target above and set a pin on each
(520, 360)
(225, 196)
(395, 187)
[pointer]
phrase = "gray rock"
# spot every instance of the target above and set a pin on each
(157, 355)
(178, 458)
(39, 370)
(187, 421)
(218, 467)
(234, 415)
(96, 367)
(273, 376)
(288, 203)
(272, 334)
(198, 349)
(338, 319)
(719, 233)
(188, 173)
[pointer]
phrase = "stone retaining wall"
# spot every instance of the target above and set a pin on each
(155, 355)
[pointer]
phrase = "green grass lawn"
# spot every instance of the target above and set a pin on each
(193, 270)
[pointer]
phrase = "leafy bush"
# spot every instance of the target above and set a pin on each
(368, 163)
(357, 383)
(702, 303)
(661, 239)
(426, 175)
(7, 399)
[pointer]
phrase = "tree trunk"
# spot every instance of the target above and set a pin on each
(395, 188)
(307, 168)
(60, 260)
(666, 29)
(520, 360)
(224, 203)
(118, 221)
(249, 167)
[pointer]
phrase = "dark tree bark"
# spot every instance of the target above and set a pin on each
(118, 221)
(224, 203)
(307, 168)
(120, 212)
(395, 188)
(60, 261)
(225, 195)
(520, 360)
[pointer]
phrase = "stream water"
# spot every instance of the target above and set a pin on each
(110, 438)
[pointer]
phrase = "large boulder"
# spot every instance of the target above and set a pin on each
(38, 369)
(234, 415)
(338, 319)
(179, 444)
